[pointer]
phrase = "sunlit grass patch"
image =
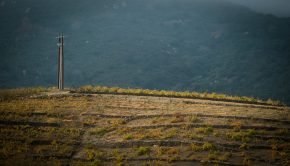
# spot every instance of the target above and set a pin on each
(10, 94)
(195, 136)
(118, 90)
(204, 130)
(158, 120)
(170, 133)
(152, 133)
(119, 127)
(94, 155)
(178, 118)
(244, 136)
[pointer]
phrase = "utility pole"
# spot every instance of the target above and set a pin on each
(60, 45)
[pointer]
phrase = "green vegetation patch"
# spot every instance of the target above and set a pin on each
(204, 147)
(194, 119)
(204, 130)
(99, 131)
(128, 137)
(218, 156)
(143, 151)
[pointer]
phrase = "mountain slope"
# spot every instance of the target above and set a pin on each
(197, 45)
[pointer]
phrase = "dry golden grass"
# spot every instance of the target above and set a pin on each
(137, 135)
(205, 95)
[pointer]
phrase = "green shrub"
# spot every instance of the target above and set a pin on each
(204, 130)
(193, 119)
(207, 146)
(99, 131)
(143, 151)
(128, 137)
(195, 136)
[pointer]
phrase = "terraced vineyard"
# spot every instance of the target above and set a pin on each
(104, 129)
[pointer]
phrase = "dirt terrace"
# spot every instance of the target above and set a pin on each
(80, 129)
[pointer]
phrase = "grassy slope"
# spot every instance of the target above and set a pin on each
(186, 94)
(106, 129)
(8, 94)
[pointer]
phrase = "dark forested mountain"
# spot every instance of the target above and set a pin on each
(200, 45)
